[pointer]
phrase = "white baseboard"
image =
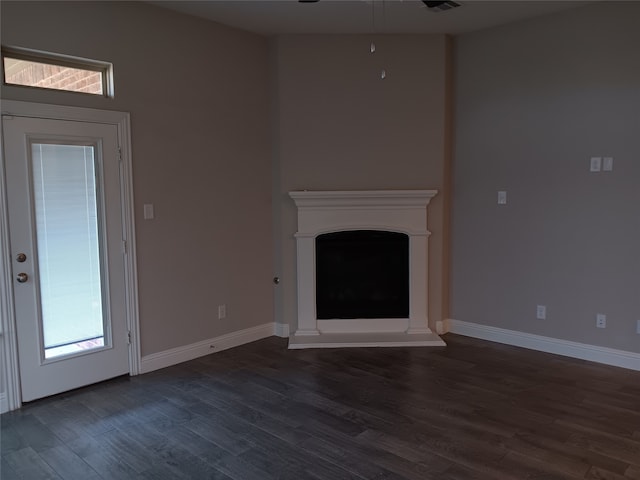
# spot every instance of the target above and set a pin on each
(593, 353)
(185, 353)
(442, 326)
(281, 330)
(4, 403)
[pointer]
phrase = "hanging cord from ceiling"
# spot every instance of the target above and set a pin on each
(372, 46)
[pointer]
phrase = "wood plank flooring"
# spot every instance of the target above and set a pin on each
(472, 410)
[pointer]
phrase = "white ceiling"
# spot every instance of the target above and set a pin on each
(271, 17)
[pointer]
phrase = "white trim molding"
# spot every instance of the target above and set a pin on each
(9, 399)
(443, 326)
(593, 353)
(167, 358)
(281, 330)
(374, 339)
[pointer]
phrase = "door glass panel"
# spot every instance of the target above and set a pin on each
(70, 279)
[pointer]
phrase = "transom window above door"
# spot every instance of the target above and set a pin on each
(29, 68)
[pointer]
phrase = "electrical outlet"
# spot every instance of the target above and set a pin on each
(502, 197)
(596, 164)
(601, 320)
(607, 164)
(222, 312)
(541, 312)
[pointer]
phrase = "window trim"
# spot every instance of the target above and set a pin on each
(29, 55)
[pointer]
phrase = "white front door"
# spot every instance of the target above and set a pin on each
(66, 232)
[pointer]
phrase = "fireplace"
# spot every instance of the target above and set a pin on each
(362, 262)
(362, 274)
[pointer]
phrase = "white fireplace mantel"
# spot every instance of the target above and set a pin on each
(403, 211)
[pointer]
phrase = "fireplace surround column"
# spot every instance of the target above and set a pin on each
(307, 321)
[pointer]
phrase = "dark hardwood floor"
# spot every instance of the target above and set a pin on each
(472, 410)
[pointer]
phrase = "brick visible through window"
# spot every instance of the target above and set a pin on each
(48, 73)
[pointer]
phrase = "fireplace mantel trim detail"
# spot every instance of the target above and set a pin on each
(402, 211)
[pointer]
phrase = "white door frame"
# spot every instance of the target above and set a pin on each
(12, 396)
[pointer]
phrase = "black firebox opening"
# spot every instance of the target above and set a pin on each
(362, 274)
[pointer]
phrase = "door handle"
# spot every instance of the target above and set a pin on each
(22, 277)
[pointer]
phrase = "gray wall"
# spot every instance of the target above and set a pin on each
(534, 101)
(198, 95)
(341, 127)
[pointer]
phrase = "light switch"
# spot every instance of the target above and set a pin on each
(607, 164)
(148, 211)
(596, 164)
(502, 197)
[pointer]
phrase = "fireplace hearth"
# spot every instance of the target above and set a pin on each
(341, 300)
